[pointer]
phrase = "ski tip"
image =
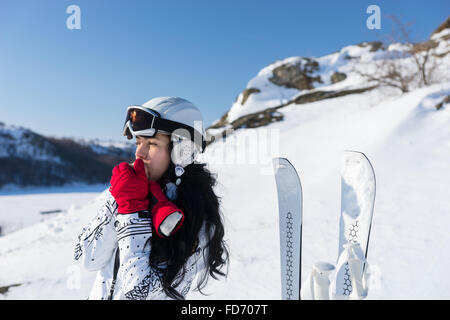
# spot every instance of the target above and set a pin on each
(353, 154)
(354, 151)
(279, 163)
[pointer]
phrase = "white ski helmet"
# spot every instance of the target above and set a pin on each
(171, 115)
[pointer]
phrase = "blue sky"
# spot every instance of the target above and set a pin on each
(78, 83)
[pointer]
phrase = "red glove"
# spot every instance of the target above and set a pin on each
(166, 216)
(130, 187)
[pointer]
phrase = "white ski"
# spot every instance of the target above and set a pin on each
(289, 192)
(357, 203)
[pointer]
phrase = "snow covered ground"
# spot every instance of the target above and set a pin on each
(408, 143)
(23, 207)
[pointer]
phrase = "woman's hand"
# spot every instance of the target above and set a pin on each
(166, 216)
(130, 187)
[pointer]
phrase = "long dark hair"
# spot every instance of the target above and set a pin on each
(199, 203)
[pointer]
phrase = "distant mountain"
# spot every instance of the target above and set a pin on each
(30, 159)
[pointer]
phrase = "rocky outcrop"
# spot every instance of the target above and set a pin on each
(221, 122)
(444, 102)
(251, 120)
(257, 119)
(424, 46)
(5, 289)
(374, 45)
(247, 92)
(338, 77)
(433, 43)
(321, 95)
(298, 76)
(442, 26)
(224, 119)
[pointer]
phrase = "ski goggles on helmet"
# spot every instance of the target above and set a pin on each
(141, 121)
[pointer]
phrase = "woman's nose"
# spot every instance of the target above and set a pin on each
(140, 153)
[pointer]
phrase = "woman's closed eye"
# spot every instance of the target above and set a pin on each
(149, 143)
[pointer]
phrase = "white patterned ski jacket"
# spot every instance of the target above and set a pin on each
(108, 231)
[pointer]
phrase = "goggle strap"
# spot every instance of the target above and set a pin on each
(171, 126)
(153, 121)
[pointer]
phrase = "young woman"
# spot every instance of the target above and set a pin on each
(160, 225)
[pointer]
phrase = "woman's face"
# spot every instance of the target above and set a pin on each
(155, 154)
